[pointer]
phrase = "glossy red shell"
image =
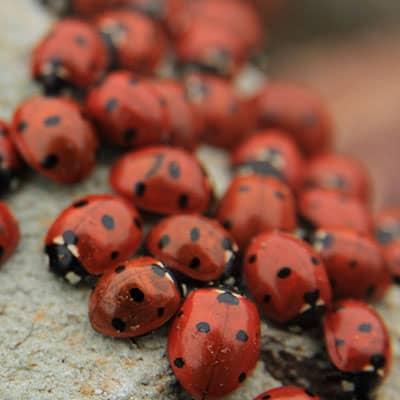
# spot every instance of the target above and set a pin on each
(287, 393)
(357, 339)
(135, 298)
(162, 180)
(270, 152)
(387, 226)
(99, 230)
(254, 204)
(286, 276)
(213, 331)
(53, 138)
(9, 232)
(128, 111)
(297, 110)
(327, 209)
(138, 42)
(195, 246)
(73, 51)
(338, 172)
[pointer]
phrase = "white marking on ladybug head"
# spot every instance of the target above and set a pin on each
(74, 250)
(59, 240)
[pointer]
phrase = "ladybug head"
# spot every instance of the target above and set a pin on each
(53, 77)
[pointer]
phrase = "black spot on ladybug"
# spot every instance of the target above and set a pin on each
(140, 188)
(134, 81)
(80, 40)
(378, 361)
(311, 297)
(370, 291)
(130, 134)
(137, 222)
(80, 203)
(242, 336)
(118, 324)
(22, 126)
(114, 255)
(280, 195)
(383, 237)
(111, 104)
(53, 120)
(119, 269)
(50, 161)
(108, 222)
(183, 201)
(339, 342)
(136, 295)
(252, 259)
(160, 312)
(179, 362)
(242, 377)
(174, 170)
(226, 243)
(158, 270)
(163, 242)
(315, 260)
(195, 234)
(227, 225)
(203, 327)
(267, 298)
(194, 263)
(244, 188)
(228, 298)
(365, 327)
(353, 263)
(163, 102)
(70, 237)
(284, 273)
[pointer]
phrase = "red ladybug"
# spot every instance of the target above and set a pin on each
(225, 117)
(297, 110)
(286, 277)
(9, 232)
(93, 234)
(328, 209)
(287, 393)
(137, 42)
(338, 172)
(387, 226)
(72, 54)
(135, 298)
(162, 180)
(392, 259)
(214, 342)
(129, 111)
(10, 163)
(270, 152)
(357, 339)
(354, 263)
(54, 139)
(253, 204)
(196, 246)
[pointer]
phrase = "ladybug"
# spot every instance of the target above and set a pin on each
(392, 259)
(213, 330)
(253, 204)
(128, 111)
(91, 235)
(357, 339)
(137, 42)
(163, 180)
(387, 226)
(10, 163)
(196, 246)
(286, 277)
(185, 126)
(338, 172)
(53, 138)
(354, 263)
(72, 54)
(287, 393)
(134, 298)
(329, 209)
(297, 110)
(224, 116)
(270, 152)
(9, 232)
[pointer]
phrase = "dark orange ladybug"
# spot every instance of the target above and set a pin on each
(287, 393)
(392, 259)
(162, 180)
(129, 111)
(195, 246)
(298, 111)
(90, 236)
(338, 172)
(270, 152)
(137, 42)
(72, 54)
(387, 226)
(354, 263)
(10, 163)
(9, 233)
(329, 209)
(253, 204)
(135, 298)
(53, 138)
(214, 342)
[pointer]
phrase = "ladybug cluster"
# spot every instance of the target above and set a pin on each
(292, 238)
